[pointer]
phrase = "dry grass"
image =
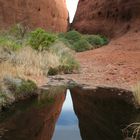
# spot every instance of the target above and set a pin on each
(27, 63)
(136, 92)
(132, 131)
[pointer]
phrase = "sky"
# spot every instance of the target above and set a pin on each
(72, 6)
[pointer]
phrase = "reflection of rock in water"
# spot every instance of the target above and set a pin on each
(33, 120)
(103, 112)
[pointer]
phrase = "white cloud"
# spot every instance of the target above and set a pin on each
(72, 6)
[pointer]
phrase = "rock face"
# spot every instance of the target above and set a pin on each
(49, 14)
(103, 112)
(109, 17)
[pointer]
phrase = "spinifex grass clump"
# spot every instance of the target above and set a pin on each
(66, 58)
(14, 38)
(80, 43)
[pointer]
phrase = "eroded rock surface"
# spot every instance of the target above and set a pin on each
(49, 14)
(109, 17)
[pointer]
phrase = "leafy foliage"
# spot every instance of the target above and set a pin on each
(82, 45)
(79, 42)
(11, 43)
(96, 40)
(71, 36)
(41, 40)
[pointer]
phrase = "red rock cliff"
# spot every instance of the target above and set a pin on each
(109, 17)
(49, 14)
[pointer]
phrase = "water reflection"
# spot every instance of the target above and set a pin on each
(33, 119)
(67, 124)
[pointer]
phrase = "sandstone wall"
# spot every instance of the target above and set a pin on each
(49, 14)
(109, 17)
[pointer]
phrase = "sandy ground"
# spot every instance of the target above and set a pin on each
(117, 64)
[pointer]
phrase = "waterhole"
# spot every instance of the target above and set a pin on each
(57, 114)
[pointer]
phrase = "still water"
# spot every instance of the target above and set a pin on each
(67, 124)
(100, 115)
(50, 116)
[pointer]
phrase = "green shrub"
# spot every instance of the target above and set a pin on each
(41, 40)
(26, 88)
(68, 64)
(53, 71)
(82, 45)
(20, 87)
(66, 42)
(71, 36)
(14, 38)
(12, 44)
(96, 40)
(79, 42)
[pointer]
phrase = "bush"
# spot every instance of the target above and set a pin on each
(82, 45)
(68, 64)
(66, 57)
(71, 36)
(12, 44)
(53, 71)
(96, 40)
(21, 88)
(79, 42)
(26, 88)
(14, 38)
(41, 40)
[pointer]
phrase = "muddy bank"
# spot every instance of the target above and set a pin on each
(103, 112)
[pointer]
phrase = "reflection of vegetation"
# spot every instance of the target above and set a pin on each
(132, 131)
(45, 99)
(136, 93)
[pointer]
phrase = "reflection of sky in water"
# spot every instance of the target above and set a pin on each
(68, 105)
(67, 124)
